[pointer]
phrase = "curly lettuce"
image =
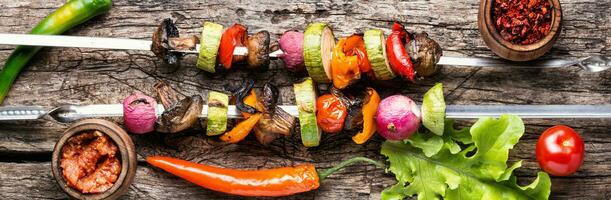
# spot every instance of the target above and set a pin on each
(462, 164)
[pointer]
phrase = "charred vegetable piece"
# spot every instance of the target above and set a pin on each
(305, 97)
(217, 113)
(275, 121)
(161, 38)
(167, 95)
(270, 96)
(369, 111)
(240, 131)
(210, 43)
(397, 55)
(376, 52)
(139, 113)
(69, 15)
(178, 115)
(425, 53)
(181, 115)
(345, 69)
(241, 94)
(251, 100)
(330, 113)
(353, 100)
(291, 44)
(234, 36)
(355, 46)
(258, 50)
(271, 125)
(318, 43)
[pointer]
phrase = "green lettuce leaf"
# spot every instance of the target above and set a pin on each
(461, 164)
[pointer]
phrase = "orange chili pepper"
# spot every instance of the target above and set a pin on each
(250, 100)
(275, 182)
(330, 113)
(240, 131)
(345, 69)
(369, 111)
(355, 46)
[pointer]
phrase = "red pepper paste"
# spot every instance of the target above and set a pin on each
(90, 162)
(522, 21)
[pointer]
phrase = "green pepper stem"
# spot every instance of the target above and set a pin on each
(323, 174)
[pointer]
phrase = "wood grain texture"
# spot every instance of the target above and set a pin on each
(85, 76)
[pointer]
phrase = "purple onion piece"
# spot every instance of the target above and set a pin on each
(139, 113)
(291, 44)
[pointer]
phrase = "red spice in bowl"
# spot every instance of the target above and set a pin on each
(522, 21)
(90, 163)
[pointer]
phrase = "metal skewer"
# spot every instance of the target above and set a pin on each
(70, 113)
(591, 64)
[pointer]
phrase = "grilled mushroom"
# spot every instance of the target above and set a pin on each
(178, 115)
(258, 50)
(425, 54)
(161, 38)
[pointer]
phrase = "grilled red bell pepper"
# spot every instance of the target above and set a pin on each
(397, 55)
(234, 36)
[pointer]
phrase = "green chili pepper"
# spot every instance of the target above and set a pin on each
(71, 14)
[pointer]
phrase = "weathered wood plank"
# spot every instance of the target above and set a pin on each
(85, 76)
(35, 181)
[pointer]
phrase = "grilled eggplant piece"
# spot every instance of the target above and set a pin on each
(178, 115)
(167, 95)
(161, 46)
(258, 50)
(425, 54)
(354, 100)
(275, 121)
(241, 93)
(270, 97)
(271, 125)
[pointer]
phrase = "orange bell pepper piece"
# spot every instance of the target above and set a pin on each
(369, 111)
(355, 46)
(239, 132)
(250, 100)
(345, 69)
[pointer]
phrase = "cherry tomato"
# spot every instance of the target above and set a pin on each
(330, 113)
(560, 150)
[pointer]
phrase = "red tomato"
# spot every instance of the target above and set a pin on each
(330, 113)
(560, 150)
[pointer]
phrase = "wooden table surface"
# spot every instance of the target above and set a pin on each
(86, 76)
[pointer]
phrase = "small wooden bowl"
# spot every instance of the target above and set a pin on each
(126, 149)
(517, 52)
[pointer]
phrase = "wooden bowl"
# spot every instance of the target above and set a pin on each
(517, 52)
(126, 149)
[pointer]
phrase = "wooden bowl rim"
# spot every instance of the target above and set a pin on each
(550, 37)
(126, 149)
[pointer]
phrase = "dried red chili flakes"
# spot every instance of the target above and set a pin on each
(522, 21)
